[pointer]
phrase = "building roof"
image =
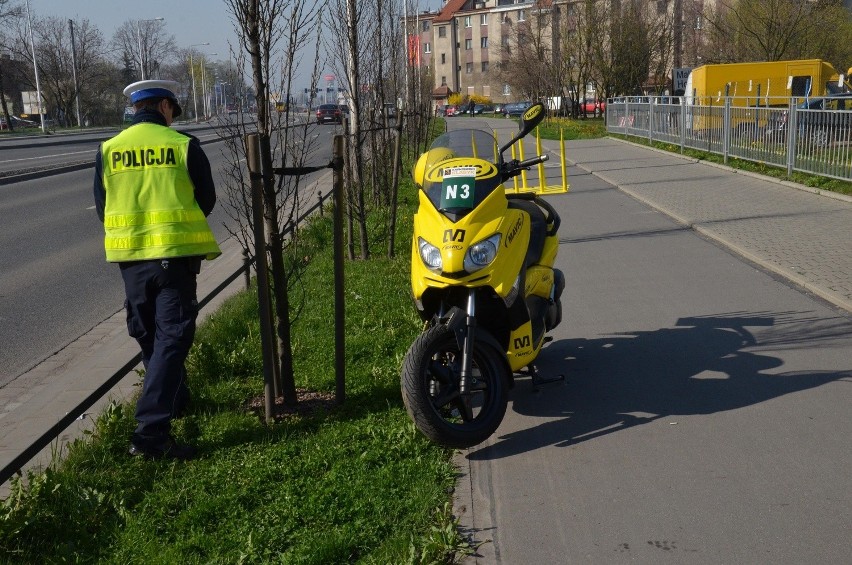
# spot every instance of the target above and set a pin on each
(448, 11)
(442, 91)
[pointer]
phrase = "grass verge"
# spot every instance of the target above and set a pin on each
(356, 483)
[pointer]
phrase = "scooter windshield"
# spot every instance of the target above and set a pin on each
(461, 170)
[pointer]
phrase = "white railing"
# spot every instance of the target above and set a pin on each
(813, 141)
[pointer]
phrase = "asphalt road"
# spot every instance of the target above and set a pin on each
(54, 282)
(702, 419)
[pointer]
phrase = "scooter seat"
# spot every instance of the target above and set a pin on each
(538, 229)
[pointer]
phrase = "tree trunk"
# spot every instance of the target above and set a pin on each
(355, 120)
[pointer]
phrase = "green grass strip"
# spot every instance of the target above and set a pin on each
(355, 483)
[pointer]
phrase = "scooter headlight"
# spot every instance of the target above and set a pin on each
(430, 255)
(481, 253)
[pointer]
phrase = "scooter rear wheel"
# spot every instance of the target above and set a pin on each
(430, 382)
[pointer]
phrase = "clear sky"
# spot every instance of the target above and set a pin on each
(190, 21)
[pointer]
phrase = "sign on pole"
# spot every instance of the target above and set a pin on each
(679, 77)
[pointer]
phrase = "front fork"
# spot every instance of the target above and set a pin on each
(467, 345)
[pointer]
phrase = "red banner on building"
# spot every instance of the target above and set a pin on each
(414, 50)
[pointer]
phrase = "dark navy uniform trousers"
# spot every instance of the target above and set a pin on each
(161, 310)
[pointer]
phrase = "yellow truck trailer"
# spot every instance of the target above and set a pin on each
(770, 83)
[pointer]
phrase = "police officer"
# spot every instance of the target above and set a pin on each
(153, 190)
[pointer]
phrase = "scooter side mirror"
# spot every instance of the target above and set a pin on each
(531, 118)
(418, 173)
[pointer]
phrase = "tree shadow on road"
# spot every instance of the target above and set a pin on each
(701, 366)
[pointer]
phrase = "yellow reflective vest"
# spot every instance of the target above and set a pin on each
(150, 210)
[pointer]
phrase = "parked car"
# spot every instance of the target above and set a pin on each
(483, 109)
(516, 109)
(594, 107)
(17, 123)
(825, 120)
(329, 113)
(820, 121)
(451, 111)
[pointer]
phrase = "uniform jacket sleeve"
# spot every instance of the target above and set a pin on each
(99, 190)
(201, 176)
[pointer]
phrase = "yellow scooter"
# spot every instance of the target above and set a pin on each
(483, 280)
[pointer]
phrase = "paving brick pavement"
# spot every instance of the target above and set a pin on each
(800, 233)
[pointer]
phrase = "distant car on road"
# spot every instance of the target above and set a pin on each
(329, 113)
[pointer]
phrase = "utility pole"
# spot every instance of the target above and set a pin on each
(74, 71)
(35, 67)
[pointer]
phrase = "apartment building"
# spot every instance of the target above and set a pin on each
(465, 41)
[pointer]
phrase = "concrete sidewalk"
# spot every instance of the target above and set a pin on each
(801, 233)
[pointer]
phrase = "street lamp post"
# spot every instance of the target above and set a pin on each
(35, 68)
(192, 70)
(139, 40)
(204, 85)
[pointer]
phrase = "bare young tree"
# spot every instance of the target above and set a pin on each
(775, 30)
(578, 29)
(8, 12)
(56, 57)
(621, 47)
(144, 44)
(527, 64)
(273, 35)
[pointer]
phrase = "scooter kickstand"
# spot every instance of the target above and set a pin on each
(538, 380)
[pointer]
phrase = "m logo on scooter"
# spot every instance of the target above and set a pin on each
(454, 235)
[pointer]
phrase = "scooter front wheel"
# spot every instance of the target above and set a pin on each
(431, 376)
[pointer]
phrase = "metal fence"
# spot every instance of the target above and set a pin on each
(795, 136)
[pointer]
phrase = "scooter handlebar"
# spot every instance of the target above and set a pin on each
(533, 161)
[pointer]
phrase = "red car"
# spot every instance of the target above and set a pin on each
(594, 107)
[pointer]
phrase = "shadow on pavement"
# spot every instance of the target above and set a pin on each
(701, 366)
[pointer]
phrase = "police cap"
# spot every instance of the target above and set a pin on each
(144, 89)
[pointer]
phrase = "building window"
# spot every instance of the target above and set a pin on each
(507, 90)
(483, 42)
(427, 48)
(484, 66)
(424, 26)
(443, 58)
(483, 19)
(442, 31)
(443, 81)
(661, 6)
(468, 68)
(468, 44)
(522, 15)
(468, 22)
